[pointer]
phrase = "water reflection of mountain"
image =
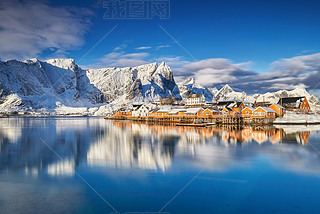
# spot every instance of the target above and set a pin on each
(98, 142)
(22, 148)
(137, 146)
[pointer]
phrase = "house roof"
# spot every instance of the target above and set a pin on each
(224, 103)
(279, 106)
(289, 100)
(163, 110)
(247, 102)
(229, 109)
(231, 105)
(212, 110)
(174, 111)
(262, 103)
(194, 95)
(138, 107)
(125, 110)
(192, 110)
(267, 109)
(252, 109)
(238, 104)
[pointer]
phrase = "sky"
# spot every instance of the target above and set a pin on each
(252, 45)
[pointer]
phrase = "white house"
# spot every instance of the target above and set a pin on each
(140, 111)
(195, 99)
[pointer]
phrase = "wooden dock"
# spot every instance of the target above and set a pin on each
(193, 119)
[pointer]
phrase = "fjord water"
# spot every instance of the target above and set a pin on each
(92, 165)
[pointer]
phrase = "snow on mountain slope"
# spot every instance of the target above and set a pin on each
(38, 84)
(189, 86)
(60, 82)
(273, 97)
(227, 93)
(141, 83)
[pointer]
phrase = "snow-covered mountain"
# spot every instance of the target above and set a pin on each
(142, 83)
(60, 82)
(189, 86)
(227, 93)
(60, 85)
(274, 97)
(37, 84)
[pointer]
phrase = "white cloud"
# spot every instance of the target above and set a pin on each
(290, 73)
(120, 47)
(173, 62)
(162, 46)
(121, 59)
(28, 27)
(214, 71)
(144, 48)
(297, 65)
(295, 72)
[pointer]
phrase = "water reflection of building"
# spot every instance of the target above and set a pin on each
(152, 146)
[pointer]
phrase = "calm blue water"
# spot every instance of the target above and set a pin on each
(91, 165)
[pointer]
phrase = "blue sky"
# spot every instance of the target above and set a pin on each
(231, 39)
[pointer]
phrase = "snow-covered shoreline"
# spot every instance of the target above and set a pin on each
(292, 118)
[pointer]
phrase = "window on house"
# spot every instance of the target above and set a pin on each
(247, 112)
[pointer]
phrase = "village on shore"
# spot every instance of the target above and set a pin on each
(194, 110)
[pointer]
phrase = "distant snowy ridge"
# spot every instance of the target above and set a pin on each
(189, 86)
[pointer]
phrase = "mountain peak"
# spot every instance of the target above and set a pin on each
(31, 61)
(226, 87)
(163, 63)
(67, 63)
(225, 90)
(188, 81)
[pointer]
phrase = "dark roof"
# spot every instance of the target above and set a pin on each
(289, 100)
(194, 95)
(239, 104)
(265, 104)
(224, 103)
(136, 105)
